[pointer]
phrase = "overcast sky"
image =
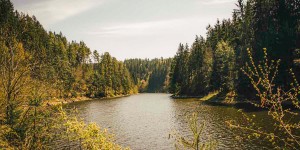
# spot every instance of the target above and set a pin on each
(129, 28)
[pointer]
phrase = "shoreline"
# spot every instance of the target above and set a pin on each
(63, 101)
(239, 104)
(185, 97)
(216, 100)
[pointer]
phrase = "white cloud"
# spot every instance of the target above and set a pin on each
(215, 2)
(140, 28)
(52, 11)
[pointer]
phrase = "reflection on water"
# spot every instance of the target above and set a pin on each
(145, 121)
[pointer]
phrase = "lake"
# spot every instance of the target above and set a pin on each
(144, 121)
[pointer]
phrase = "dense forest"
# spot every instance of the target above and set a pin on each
(71, 69)
(150, 76)
(68, 69)
(214, 63)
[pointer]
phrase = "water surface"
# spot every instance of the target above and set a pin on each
(145, 121)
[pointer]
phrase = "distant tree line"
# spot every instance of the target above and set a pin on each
(215, 62)
(150, 75)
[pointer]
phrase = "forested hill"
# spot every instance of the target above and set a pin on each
(65, 68)
(214, 63)
(150, 75)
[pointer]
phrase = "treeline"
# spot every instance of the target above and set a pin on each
(150, 75)
(214, 63)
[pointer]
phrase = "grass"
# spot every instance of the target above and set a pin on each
(209, 96)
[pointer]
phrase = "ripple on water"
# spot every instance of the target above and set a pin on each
(145, 121)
